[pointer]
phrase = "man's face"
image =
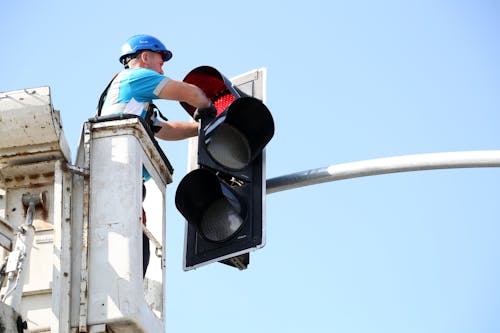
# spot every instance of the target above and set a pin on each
(154, 61)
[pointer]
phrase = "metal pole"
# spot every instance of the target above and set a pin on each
(451, 160)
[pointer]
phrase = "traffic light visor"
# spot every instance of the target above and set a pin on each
(209, 205)
(235, 138)
(215, 85)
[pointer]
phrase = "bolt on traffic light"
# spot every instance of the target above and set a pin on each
(223, 201)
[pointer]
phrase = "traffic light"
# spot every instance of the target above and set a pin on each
(223, 200)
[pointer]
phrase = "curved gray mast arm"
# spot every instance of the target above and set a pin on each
(450, 160)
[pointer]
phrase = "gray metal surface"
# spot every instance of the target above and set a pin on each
(450, 160)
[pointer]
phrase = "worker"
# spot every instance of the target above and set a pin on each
(133, 90)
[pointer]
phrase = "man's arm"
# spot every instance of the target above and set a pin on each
(185, 92)
(177, 130)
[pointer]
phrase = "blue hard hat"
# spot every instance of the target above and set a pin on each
(144, 42)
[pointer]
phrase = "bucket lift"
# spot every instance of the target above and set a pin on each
(116, 150)
(82, 222)
(33, 151)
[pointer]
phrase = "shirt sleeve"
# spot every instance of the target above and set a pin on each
(145, 84)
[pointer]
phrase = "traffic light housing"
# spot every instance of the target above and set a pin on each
(223, 200)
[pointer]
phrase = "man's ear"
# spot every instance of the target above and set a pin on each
(144, 57)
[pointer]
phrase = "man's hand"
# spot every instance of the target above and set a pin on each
(209, 112)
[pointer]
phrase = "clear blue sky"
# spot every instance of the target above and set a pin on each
(347, 81)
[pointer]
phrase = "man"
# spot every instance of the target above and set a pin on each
(142, 81)
(133, 90)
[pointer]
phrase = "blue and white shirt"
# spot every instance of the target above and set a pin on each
(133, 90)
